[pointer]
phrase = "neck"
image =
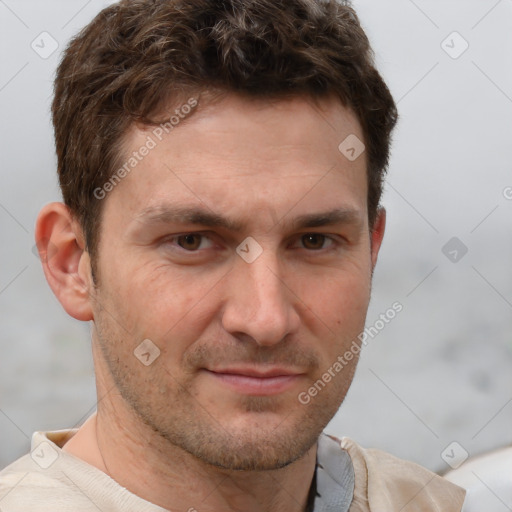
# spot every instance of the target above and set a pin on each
(149, 466)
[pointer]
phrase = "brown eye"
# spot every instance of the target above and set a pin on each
(313, 241)
(190, 242)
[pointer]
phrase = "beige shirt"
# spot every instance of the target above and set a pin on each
(52, 480)
(385, 483)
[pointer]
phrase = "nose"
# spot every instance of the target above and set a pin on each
(259, 302)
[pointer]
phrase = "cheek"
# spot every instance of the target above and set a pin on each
(169, 306)
(338, 299)
(337, 316)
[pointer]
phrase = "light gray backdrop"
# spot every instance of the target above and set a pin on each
(440, 372)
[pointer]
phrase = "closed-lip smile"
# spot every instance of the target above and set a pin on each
(253, 380)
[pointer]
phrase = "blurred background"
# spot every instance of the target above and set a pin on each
(435, 384)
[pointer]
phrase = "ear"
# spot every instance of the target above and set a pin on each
(377, 234)
(66, 264)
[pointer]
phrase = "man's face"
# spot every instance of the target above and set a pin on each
(239, 338)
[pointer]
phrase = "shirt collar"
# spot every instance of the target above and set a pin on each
(333, 484)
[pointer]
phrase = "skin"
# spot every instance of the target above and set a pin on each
(294, 309)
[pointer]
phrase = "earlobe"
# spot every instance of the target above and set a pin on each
(377, 234)
(65, 262)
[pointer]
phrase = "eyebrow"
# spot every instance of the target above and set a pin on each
(193, 215)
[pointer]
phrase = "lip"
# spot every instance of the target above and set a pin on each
(256, 381)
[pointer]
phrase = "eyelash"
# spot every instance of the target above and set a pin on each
(335, 242)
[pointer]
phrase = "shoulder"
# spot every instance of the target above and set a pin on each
(26, 486)
(48, 479)
(385, 482)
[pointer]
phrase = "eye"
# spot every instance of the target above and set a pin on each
(316, 241)
(193, 241)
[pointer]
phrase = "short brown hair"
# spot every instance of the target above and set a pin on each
(138, 56)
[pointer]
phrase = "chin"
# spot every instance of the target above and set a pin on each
(246, 446)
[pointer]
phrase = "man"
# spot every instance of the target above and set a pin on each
(221, 165)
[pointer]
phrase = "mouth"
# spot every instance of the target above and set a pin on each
(256, 381)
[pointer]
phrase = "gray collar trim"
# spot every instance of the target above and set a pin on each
(334, 477)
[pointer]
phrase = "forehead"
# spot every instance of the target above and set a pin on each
(256, 155)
